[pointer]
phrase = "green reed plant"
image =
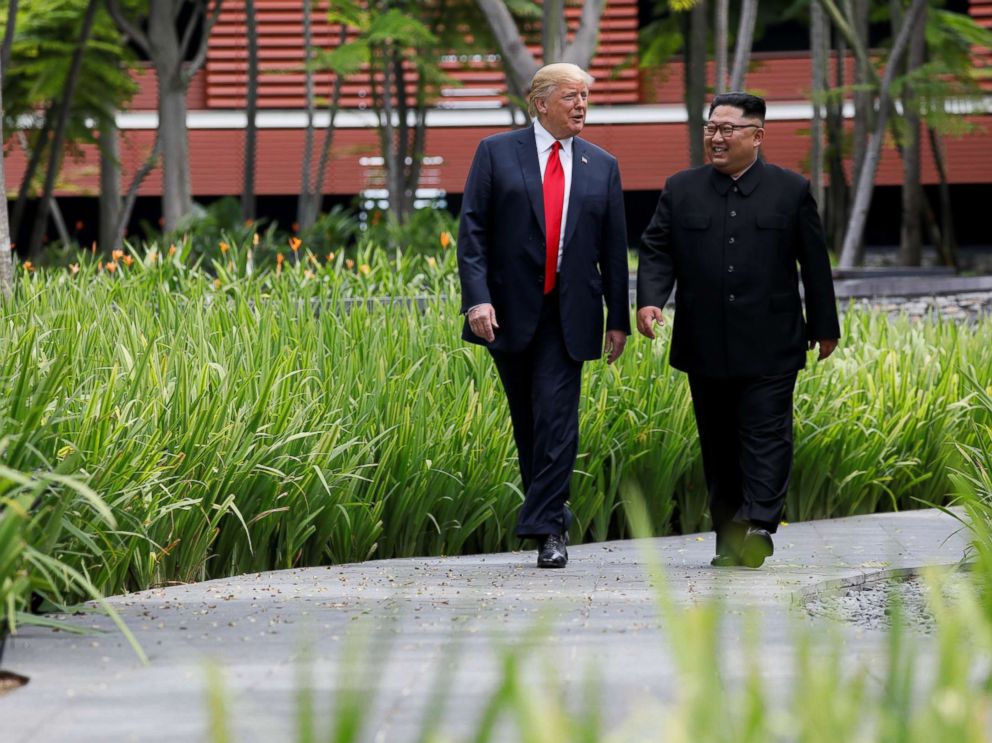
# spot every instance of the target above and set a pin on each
(244, 421)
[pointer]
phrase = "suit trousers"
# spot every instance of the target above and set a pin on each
(542, 384)
(745, 432)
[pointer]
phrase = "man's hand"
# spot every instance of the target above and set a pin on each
(615, 341)
(482, 321)
(827, 346)
(646, 319)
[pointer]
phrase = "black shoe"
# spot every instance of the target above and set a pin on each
(757, 545)
(725, 561)
(551, 552)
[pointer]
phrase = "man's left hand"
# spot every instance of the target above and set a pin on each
(827, 346)
(615, 341)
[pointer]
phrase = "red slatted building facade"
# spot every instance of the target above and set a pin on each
(637, 116)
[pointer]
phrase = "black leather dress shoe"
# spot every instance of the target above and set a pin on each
(757, 545)
(551, 552)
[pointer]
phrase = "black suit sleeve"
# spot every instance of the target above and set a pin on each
(656, 268)
(814, 264)
(613, 257)
(473, 231)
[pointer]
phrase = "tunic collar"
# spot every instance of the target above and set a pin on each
(746, 184)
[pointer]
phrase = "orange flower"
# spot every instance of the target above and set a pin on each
(111, 266)
(280, 258)
(152, 255)
(93, 248)
(364, 268)
(79, 225)
(308, 274)
(172, 250)
(117, 254)
(216, 283)
(28, 266)
(249, 222)
(99, 265)
(330, 257)
(224, 247)
(295, 227)
(295, 243)
(254, 239)
(349, 264)
(445, 239)
(128, 260)
(74, 268)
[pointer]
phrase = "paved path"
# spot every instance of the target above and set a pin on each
(261, 630)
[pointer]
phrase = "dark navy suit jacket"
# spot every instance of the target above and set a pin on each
(501, 245)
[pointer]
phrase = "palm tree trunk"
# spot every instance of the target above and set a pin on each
(866, 177)
(745, 37)
(948, 243)
(251, 107)
(6, 264)
(304, 204)
(818, 53)
(695, 80)
(110, 184)
(55, 158)
(721, 23)
(910, 239)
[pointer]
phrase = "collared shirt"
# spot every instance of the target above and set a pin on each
(741, 174)
(544, 141)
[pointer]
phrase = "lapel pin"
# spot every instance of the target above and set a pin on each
(584, 159)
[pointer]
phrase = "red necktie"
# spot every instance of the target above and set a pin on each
(554, 196)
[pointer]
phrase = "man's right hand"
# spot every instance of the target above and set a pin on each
(482, 321)
(646, 319)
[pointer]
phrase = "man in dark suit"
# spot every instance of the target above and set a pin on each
(541, 244)
(731, 234)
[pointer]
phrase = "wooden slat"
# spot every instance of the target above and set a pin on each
(281, 55)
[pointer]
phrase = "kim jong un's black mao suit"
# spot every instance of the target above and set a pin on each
(736, 251)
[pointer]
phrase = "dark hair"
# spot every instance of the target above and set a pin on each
(752, 106)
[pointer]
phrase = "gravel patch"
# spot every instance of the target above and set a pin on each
(873, 605)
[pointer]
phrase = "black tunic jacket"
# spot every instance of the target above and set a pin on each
(736, 251)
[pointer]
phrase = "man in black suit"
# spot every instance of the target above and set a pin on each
(542, 243)
(731, 234)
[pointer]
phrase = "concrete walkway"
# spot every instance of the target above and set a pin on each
(264, 630)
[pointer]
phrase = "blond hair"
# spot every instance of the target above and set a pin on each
(550, 77)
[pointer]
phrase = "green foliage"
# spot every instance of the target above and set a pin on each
(265, 414)
(45, 38)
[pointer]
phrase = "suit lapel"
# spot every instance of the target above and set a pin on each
(577, 192)
(530, 166)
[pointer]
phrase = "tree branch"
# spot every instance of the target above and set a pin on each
(866, 178)
(201, 53)
(128, 28)
(8, 34)
(520, 63)
(583, 47)
(132, 192)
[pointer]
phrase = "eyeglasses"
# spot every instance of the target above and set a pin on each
(726, 130)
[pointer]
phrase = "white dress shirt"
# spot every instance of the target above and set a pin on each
(544, 142)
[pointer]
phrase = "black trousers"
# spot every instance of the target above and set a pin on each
(745, 432)
(542, 385)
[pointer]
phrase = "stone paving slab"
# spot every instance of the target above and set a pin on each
(264, 630)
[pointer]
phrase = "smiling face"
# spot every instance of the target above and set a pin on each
(732, 155)
(563, 112)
